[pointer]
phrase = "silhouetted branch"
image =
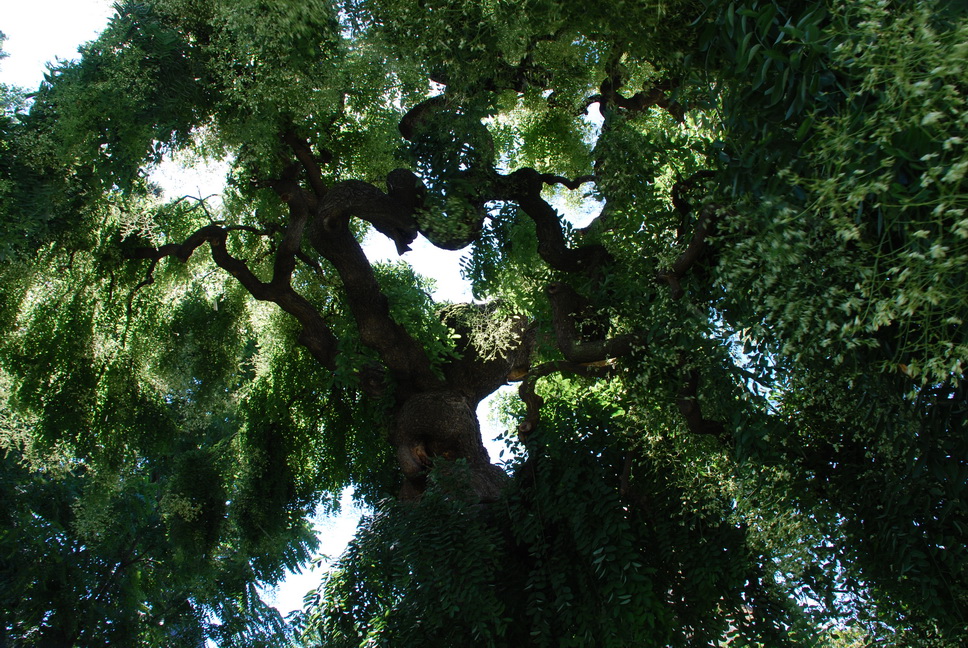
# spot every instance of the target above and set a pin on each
(315, 335)
(567, 306)
(688, 404)
(533, 402)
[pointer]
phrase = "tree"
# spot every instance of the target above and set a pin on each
(741, 399)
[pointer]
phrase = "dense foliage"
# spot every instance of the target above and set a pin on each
(741, 413)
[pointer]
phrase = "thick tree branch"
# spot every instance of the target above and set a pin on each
(418, 117)
(690, 255)
(315, 335)
(567, 308)
(478, 372)
(392, 213)
(640, 101)
(304, 154)
(329, 234)
(285, 260)
(524, 187)
(550, 178)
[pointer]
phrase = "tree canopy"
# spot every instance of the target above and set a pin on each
(741, 409)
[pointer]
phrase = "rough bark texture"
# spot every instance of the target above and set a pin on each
(442, 425)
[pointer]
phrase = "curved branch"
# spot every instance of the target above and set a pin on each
(304, 154)
(640, 101)
(315, 335)
(533, 402)
(567, 307)
(524, 187)
(550, 178)
(390, 213)
(697, 244)
(690, 255)
(688, 404)
(420, 115)
(329, 234)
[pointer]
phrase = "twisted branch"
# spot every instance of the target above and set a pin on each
(315, 335)
(524, 187)
(329, 234)
(566, 308)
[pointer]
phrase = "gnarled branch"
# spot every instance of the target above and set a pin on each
(329, 234)
(566, 308)
(315, 335)
(524, 187)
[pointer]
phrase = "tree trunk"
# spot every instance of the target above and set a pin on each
(443, 425)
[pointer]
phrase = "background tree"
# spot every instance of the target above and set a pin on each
(741, 409)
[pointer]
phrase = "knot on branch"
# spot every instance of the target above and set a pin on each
(442, 425)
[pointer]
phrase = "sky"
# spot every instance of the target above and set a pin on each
(44, 31)
(40, 31)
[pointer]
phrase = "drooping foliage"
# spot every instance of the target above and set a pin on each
(719, 246)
